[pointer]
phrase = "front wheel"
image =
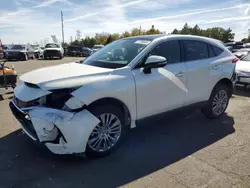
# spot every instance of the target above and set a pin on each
(217, 103)
(107, 135)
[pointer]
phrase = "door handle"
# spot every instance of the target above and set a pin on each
(180, 74)
(215, 67)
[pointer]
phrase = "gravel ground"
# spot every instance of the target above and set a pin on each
(181, 149)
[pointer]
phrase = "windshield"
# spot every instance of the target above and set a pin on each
(52, 46)
(117, 54)
(18, 47)
(246, 58)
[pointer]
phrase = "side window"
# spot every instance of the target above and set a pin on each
(195, 50)
(210, 51)
(170, 50)
(217, 50)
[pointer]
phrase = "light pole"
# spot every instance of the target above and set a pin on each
(62, 27)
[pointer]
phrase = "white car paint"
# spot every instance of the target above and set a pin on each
(166, 88)
(243, 71)
(60, 48)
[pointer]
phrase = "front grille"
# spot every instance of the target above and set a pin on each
(13, 53)
(51, 52)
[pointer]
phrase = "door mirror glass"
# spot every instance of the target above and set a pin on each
(154, 61)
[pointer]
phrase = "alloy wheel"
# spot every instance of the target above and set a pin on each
(219, 104)
(106, 134)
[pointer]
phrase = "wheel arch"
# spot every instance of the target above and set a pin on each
(228, 83)
(116, 102)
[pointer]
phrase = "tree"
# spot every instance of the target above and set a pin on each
(175, 31)
(125, 34)
(101, 38)
(135, 32)
(115, 36)
(244, 40)
(185, 30)
(228, 35)
(109, 39)
(214, 32)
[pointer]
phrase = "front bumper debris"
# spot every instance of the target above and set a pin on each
(60, 131)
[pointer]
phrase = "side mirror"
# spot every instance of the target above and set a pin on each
(154, 61)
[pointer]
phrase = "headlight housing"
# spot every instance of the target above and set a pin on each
(58, 98)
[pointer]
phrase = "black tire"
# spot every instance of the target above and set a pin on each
(208, 109)
(97, 111)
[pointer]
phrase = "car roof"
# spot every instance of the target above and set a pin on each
(153, 37)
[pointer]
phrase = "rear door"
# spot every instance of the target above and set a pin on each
(204, 70)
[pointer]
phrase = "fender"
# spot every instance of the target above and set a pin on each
(120, 87)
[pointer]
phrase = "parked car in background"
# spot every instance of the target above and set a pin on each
(21, 52)
(96, 48)
(247, 45)
(75, 108)
(241, 52)
(85, 52)
(53, 50)
(5, 48)
(243, 70)
(235, 45)
(72, 50)
(38, 50)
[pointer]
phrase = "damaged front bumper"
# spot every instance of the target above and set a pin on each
(60, 131)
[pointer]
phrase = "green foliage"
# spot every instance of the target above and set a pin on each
(214, 32)
(246, 40)
(109, 39)
(219, 33)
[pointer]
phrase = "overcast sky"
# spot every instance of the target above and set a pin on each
(33, 20)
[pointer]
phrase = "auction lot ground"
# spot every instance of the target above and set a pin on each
(183, 149)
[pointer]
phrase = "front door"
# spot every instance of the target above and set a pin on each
(164, 88)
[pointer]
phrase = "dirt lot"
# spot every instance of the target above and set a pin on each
(183, 149)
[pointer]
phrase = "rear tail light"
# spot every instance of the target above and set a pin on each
(235, 60)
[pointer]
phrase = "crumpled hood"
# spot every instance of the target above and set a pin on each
(64, 76)
(243, 66)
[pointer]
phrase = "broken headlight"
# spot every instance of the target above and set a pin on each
(58, 98)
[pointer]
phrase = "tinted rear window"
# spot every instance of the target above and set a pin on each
(195, 50)
(217, 50)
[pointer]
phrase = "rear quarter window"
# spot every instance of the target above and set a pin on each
(217, 50)
(195, 50)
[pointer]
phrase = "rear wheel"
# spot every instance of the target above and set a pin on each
(218, 102)
(107, 135)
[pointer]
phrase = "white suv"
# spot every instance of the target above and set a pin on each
(87, 107)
